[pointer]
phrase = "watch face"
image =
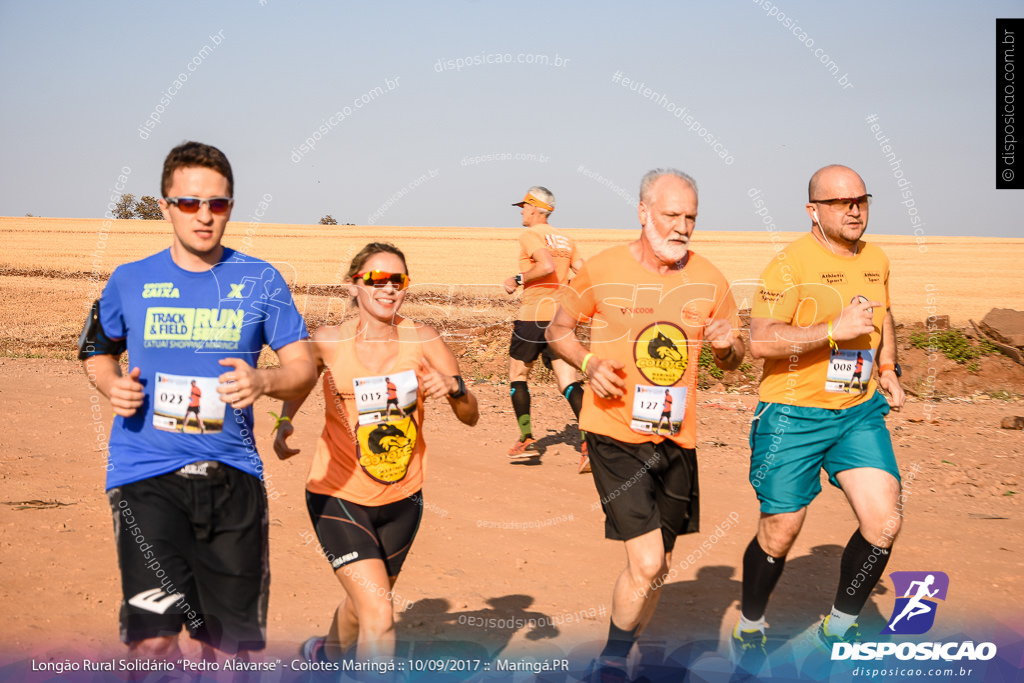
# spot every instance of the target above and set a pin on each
(899, 370)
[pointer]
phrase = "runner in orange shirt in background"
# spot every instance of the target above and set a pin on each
(652, 304)
(545, 258)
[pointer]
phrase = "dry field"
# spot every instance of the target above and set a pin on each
(457, 272)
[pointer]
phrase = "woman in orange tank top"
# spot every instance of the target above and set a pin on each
(363, 489)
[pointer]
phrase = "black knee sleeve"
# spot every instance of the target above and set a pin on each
(761, 572)
(574, 395)
(860, 570)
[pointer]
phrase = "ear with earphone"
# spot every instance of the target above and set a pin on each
(816, 220)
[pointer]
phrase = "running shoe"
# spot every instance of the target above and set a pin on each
(527, 448)
(313, 650)
(584, 459)
(747, 649)
(826, 640)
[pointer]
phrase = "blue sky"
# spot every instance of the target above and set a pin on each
(444, 144)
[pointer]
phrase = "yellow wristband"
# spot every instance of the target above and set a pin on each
(831, 341)
(583, 368)
(278, 420)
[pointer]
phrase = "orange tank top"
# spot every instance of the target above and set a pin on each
(371, 451)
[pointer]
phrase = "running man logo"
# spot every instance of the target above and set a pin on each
(660, 353)
(914, 612)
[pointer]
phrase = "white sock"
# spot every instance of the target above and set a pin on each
(839, 622)
(749, 625)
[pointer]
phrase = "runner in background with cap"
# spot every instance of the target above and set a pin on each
(545, 259)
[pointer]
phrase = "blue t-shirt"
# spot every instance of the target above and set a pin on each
(178, 324)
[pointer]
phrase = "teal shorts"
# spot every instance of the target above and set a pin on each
(790, 444)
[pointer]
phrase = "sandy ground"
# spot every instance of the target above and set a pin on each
(502, 544)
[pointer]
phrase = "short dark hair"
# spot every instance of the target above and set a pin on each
(196, 154)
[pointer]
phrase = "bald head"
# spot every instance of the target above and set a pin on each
(832, 181)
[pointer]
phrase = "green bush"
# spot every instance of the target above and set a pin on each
(954, 345)
(707, 362)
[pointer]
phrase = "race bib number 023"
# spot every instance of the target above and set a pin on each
(187, 405)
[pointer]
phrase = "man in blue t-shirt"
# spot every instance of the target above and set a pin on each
(188, 500)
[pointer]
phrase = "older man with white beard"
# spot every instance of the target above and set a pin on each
(652, 303)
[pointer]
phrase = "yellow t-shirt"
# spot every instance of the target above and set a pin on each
(654, 325)
(806, 284)
(540, 296)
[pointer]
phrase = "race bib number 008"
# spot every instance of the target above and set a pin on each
(187, 405)
(849, 371)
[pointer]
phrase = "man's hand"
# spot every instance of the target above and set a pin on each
(127, 394)
(718, 333)
(284, 430)
(854, 321)
(510, 285)
(606, 378)
(891, 383)
(242, 385)
(435, 384)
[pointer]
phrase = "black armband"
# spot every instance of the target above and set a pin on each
(94, 341)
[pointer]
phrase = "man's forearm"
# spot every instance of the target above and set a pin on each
(778, 340)
(102, 371)
(290, 382)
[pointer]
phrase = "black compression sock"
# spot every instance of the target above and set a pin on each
(574, 395)
(521, 404)
(859, 572)
(619, 641)
(761, 572)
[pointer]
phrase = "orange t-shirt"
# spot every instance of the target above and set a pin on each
(390, 459)
(194, 397)
(654, 325)
(540, 296)
(806, 284)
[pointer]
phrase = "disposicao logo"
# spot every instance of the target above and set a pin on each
(914, 612)
(917, 599)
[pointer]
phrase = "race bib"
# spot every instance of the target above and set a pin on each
(658, 410)
(187, 405)
(849, 371)
(386, 431)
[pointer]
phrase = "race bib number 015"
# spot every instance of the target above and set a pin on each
(386, 432)
(187, 405)
(849, 371)
(658, 410)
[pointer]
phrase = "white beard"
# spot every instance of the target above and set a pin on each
(666, 252)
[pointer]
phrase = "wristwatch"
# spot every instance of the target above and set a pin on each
(518, 278)
(895, 367)
(461, 391)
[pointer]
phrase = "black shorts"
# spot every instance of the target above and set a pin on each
(528, 342)
(350, 532)
(192, 548)
(645, 486)
(192, 409)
